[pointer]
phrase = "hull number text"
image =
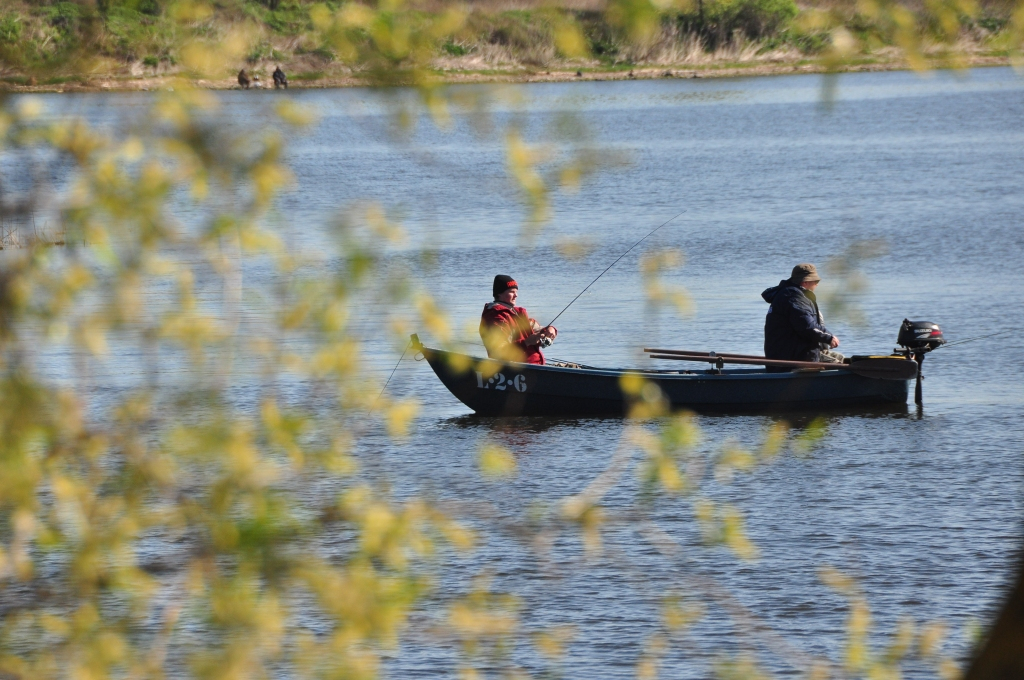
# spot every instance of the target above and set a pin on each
(499, 382)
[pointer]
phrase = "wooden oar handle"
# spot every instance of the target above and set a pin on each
(687, 352)
(756, 361)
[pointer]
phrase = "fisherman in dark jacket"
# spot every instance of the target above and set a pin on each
(793, 329)
(280, 79)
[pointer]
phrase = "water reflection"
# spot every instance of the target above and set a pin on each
(797, 420)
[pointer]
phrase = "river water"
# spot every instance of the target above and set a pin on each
(921, 506)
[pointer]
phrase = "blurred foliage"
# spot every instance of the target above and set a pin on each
(907, 641)
(177, 464)
(659, 293)
(845, 282)
(170, 527)
(411, 41)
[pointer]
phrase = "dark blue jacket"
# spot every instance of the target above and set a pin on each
(793, 328)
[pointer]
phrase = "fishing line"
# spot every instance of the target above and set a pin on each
(612, 265)
(374, 405)
(980, 337)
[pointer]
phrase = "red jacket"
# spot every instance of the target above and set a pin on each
(504, 329)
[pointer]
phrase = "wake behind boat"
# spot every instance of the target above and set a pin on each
(496, 388)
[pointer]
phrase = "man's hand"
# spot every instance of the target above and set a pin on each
(834, 343)
(549, 332)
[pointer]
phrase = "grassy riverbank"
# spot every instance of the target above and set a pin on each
(136, 44)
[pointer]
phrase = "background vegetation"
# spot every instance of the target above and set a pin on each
(136, 38)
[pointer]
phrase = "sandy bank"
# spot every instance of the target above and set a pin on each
(300, 80)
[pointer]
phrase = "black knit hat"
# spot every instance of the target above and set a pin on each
(503, 282)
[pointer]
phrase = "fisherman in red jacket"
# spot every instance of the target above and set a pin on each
(508, 331)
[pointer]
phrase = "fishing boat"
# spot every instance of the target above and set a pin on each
(494, 388)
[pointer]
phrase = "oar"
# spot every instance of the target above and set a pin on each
(882, 368)
(714, 359)
(691, 352)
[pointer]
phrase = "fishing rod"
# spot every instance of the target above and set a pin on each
(980, 337)
(374, 404)
(612, 265)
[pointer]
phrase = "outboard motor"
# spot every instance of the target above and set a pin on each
(917, 338)
(920, 336)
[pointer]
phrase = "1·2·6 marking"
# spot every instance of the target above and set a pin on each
(500, 382)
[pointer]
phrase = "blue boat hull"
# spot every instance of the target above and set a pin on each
(523, 389)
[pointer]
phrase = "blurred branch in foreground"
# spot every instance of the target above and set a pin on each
(170, 527)
(845, 282)
(208, 516)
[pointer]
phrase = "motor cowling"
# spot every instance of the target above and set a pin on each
(920, 336)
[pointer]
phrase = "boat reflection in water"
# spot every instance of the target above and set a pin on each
(794, 420)
(493, 388)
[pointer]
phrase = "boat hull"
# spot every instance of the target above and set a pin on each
(513, 389)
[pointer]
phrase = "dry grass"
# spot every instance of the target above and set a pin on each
(495, 6)
(21, 234)
(672, 47)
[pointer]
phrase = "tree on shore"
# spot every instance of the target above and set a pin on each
(81, 40)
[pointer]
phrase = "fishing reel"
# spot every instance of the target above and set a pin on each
(546, 342)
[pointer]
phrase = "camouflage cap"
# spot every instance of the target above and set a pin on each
(804, 272)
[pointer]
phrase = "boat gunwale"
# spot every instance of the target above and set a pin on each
(733, 373)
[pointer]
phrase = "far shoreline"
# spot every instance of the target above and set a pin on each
(301, 80)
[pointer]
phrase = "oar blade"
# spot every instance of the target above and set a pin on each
(885, 368)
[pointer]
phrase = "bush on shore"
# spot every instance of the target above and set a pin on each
(717, 21)
(147, 34)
